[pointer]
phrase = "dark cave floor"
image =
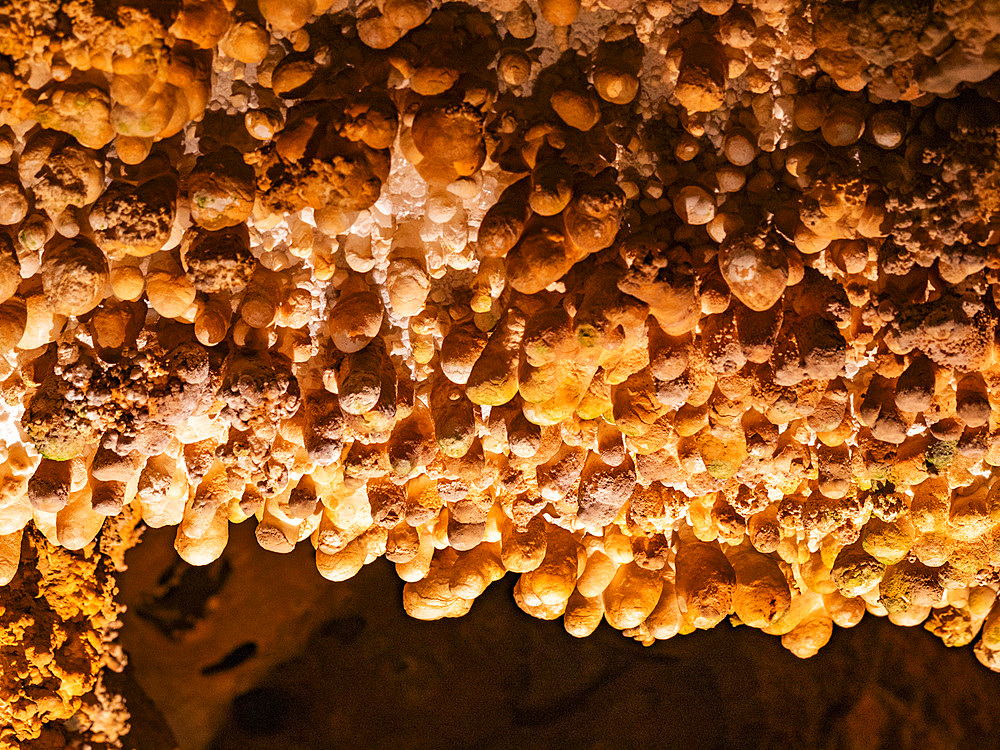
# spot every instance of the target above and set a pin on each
(257, 651)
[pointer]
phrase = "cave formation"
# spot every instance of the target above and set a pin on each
(682, 312)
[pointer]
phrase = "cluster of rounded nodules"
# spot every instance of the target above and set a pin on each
(722, 344)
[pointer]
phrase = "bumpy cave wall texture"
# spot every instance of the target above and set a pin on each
(680, 311)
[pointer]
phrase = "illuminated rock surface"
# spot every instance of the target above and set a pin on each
(681, 311)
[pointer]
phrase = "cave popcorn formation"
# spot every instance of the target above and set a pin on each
(682, 311)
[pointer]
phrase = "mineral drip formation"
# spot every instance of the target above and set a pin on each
(680, 311)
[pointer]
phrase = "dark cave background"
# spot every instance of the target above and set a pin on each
(257, 651)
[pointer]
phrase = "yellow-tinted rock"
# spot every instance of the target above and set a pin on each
(755, 269)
